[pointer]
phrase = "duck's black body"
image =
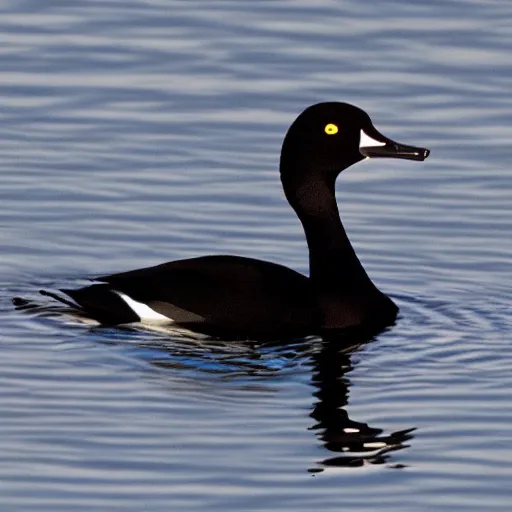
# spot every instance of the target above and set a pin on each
(226, 296)
(236, 297)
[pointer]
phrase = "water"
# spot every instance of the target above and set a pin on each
(138, 132)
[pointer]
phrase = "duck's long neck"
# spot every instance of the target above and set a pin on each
(332, 259)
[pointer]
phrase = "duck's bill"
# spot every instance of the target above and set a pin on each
(395, 150)
(378, 146)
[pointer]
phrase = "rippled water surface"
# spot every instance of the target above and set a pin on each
(136, 132)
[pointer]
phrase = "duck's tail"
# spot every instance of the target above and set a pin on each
(63, 300)
(48, 309)
(97, 302)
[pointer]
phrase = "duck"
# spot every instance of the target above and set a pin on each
(242, 298)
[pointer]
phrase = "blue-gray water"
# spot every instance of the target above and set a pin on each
(136, 132)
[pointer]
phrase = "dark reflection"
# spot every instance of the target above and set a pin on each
(355, 443)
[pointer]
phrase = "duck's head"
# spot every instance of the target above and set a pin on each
(329, 137)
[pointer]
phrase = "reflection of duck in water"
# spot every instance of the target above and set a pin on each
(243, 298)
(353, 443)
(254, 366)
(356, 443)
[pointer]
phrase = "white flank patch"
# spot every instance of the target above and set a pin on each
(375, 444)
(366, 141)
(144, 312)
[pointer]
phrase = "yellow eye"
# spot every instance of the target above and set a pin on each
(331, 129)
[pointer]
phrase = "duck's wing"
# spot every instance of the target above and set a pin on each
(227, 296)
